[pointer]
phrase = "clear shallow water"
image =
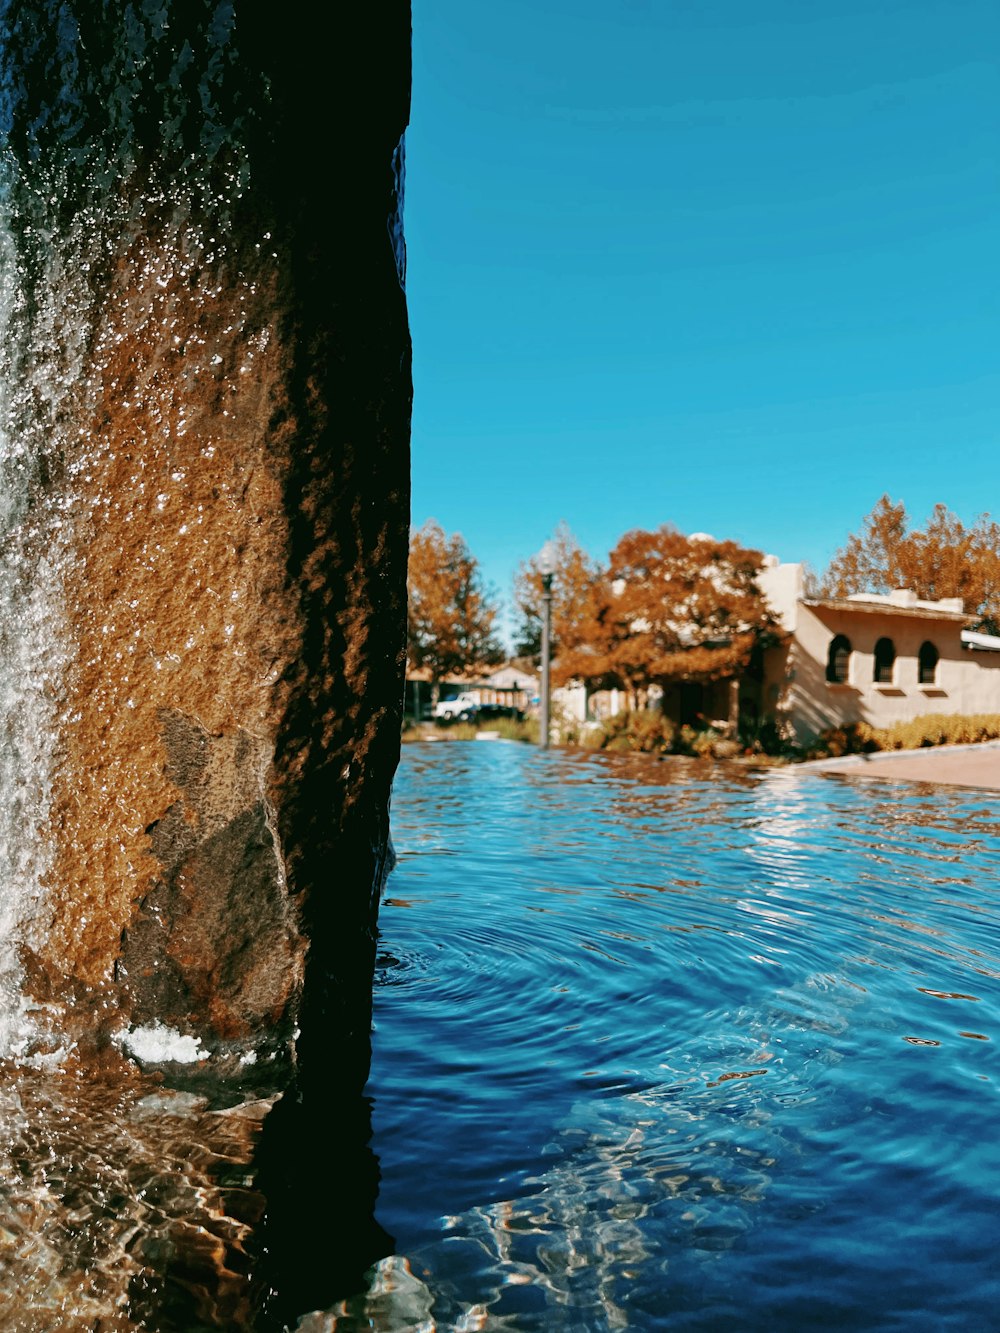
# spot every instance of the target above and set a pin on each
(658, 1049)
(123, 1205)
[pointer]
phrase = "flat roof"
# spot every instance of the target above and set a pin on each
(918, 611)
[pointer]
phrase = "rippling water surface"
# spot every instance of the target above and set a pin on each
(655, 1048)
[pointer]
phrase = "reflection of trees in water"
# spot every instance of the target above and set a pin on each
(595, 1242)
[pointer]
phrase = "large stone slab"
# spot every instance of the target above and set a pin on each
(205, 419)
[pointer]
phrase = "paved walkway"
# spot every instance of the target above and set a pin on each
(953, 765)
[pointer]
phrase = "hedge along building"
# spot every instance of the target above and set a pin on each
(872, 658)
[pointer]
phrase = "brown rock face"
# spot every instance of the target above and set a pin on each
(213, 934)
(208, 340)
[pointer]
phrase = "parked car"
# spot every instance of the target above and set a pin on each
(500, 710)
(462, 709)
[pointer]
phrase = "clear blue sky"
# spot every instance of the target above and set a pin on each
(729, 266)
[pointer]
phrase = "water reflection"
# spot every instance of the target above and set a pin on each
(678, 1070)
(128, 1204)
(320, 1179)
(658, 1046)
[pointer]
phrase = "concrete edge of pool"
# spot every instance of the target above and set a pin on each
(976, 765)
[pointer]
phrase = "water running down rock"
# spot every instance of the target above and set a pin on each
(204, 409)
(204, 503)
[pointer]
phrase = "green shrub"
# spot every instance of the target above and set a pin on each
(591, 736)
(852, 738)
(616, 726)
(618, 744)
(645, 729)
(764, 735)
(651, 731)
(515, 729)
(703, 744)
(508, 728)
(461, 731)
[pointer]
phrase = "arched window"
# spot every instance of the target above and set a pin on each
(885, 659)
(838, 662)
(928, 660)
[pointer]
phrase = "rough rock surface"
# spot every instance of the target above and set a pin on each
(205, 235)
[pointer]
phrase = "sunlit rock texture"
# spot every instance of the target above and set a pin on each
(204, 419)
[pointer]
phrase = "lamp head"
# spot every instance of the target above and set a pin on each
(546, 560)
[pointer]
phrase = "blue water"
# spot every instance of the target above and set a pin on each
(656, 1048)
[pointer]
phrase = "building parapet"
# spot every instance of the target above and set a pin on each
(901, 602)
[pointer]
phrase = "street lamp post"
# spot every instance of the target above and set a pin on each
(546, 567)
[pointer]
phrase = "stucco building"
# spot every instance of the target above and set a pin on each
(879, 659)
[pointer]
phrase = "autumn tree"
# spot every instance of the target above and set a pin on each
(451, 617)
(675, 608)
(943, 559)
(869, 561)
(577, 583)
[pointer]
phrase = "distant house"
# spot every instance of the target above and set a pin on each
(514, 684)
(879, 659)
(869, 658)
(511, 686)
(874, 658)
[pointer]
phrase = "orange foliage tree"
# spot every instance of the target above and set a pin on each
(450, 618)
(672, 608)
(577, 587)
(943, 559)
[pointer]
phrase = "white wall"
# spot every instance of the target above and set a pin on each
(782, 586)
(796, 687)
(570, 701)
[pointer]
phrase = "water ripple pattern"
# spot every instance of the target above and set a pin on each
(655, 1048)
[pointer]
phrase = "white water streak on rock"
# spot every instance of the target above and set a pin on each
(42, 348)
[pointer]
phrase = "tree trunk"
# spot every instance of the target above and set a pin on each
(734, 707)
